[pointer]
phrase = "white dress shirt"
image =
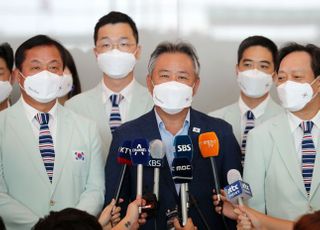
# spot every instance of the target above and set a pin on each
(297, 132)
(257, 111)
(124, 104)
(31, 112)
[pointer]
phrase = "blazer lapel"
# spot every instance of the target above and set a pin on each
(25, 136)
(284, 141)
(62, 149)
(233, 115)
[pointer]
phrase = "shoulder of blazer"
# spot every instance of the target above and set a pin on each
(199, 119)
(90, 95)
(221, 113)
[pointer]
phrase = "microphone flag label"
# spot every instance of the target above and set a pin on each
(238, 189)
(140, 152)
(183, 147)
(181, 170)
(124, 153)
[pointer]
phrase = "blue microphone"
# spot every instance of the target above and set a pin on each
(183, 147)
(140, 156)
(182, 170)
(237, 190)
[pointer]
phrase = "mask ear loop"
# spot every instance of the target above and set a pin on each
(315, 80)
(23, 78)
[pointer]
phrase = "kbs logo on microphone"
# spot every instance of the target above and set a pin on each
(183, 148)
(155, 163)
(238, 189)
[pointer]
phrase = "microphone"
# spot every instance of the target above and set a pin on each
(237, 190)
(140, 157)
(182, 174)
(182, 170)
(209, 148)
(157, 152)
(183, 147)
(123, 158)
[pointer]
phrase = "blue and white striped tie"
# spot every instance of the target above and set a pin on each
(46, 146)
(249, 126)
(115, 117)
(308, 154)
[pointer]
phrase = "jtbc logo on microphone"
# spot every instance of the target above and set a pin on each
(184, 148)
(155, 163)
(236, 189)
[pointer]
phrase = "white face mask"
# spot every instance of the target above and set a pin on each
(5, 90)
(66, 85)
(172, 97)
(43, 86)
(294, 96)
(254, 83)
(116, 64)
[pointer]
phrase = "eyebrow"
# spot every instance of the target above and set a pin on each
(250, 60)
(108, 38)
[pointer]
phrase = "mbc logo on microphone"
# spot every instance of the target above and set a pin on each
(238, 189)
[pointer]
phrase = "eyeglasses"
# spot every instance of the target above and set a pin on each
(107, 45)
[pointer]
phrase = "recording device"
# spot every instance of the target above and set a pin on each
(157, 152)
(237, 190)
(124, 152)
(182, 170)
(209, 148)
(140, 156)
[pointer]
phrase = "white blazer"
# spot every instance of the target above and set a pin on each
(89, 104)
(26, 193)
(274, 173)
(231, 114)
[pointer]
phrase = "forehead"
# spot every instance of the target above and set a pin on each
(257, 53)
(115, 31)
(174, 62)
(296, 60)
(43, 54)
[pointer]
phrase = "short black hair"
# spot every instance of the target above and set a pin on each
(312, 50)
(6, 53)
(112, 18)
(38, 40)
(71, 65)
(259, 41)
(68, 219)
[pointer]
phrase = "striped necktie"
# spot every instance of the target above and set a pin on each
(249, 126)
(115, 117)
(46, 146)
(308, 154)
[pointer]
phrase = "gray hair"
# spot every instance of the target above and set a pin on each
(178, 47)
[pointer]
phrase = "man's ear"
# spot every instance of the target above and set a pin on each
(196, 86)
(149, 84)
(237, 69)
(138, 52)
(95, 51)
(15, 76)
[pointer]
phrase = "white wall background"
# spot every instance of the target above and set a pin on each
(214, 27)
